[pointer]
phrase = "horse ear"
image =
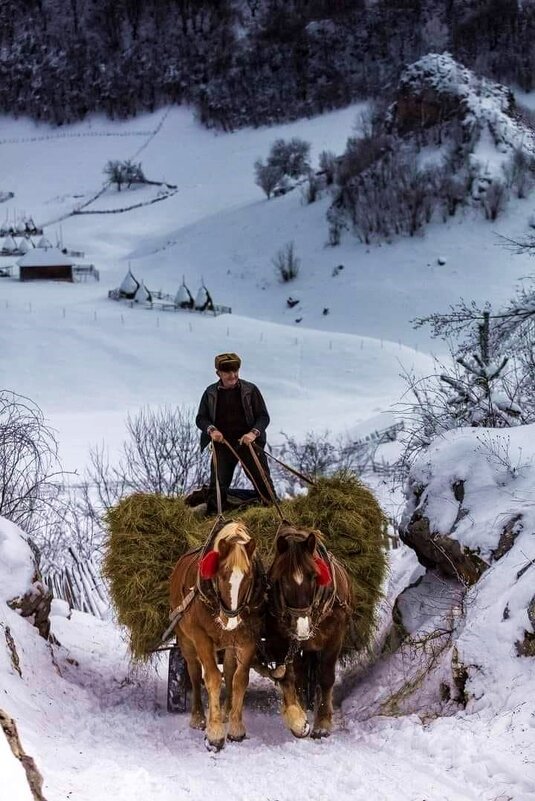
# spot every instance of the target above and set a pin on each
(208, 565)
(311, 542)
(250, 547)
(323, 572)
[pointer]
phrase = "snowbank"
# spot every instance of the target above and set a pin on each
(476, 486)
(17, 566)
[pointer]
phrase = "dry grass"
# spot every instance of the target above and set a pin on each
(148, 533)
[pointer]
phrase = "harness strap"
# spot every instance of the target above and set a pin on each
(177, 614)
(217, 487)
(249, 474)
(266, 482)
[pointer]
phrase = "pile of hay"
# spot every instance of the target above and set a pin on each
(146, 536)
(148, 533)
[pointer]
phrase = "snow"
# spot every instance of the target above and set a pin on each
(497, 467)
(16, 562)
(96, 727)
(45, 257)
(13, 776)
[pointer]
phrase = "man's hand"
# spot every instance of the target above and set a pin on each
(216, 435)
(248, 438)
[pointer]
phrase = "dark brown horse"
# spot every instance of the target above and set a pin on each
(225, 614)
(309, 606)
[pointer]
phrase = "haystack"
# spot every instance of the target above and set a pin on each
(148, 533)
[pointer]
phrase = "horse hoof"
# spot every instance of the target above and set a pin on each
(236, 738)
(318, 733)
(278, 673)
(305, 731)
(214, 745)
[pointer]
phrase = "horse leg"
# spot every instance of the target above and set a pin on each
(229, 668)
(198, 719)
(240, 682)
(324, 706)
(293, 714)
(215, 729)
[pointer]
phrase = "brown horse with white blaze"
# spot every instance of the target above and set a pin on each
(309, 607)
(225, 615)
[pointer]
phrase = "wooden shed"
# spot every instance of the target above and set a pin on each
(46, 264)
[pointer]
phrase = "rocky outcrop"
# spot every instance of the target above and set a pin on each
(526, 646)
(436, 90)
(34, 778)
(437, 550)
(35, 604)
(441, 550)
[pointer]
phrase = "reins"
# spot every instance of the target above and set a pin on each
(176, 614)
(288, 468)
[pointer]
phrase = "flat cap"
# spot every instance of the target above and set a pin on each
(227, 361)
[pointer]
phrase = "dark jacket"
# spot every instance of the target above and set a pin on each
(254, 407)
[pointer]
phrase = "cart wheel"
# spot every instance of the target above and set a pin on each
(178, 683)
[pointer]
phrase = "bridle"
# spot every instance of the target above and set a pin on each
(323, 600)
(208, 591)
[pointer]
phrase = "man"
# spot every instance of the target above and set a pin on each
(234, 410)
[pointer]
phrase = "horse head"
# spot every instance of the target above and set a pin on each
(229, 566)
(298, 577)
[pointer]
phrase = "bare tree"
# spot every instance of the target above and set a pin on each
(506, 324)
(267, 176)
(161, 455)
(29, 465)
(286, 263)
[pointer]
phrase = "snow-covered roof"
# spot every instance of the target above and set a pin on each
(24, 245)
(44, 243)
(45, 257)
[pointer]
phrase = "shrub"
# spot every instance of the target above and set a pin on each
(290, 157)
(267, 176)
(286, 263)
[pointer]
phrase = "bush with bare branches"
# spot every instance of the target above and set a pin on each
(29, 465)
(161, 455)
(286, 263)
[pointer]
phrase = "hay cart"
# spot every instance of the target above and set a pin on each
(148, 533)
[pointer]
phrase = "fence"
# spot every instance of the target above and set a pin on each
(84, 271)
(162, 302)
(81, 586)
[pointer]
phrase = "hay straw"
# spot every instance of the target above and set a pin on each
(148, 533)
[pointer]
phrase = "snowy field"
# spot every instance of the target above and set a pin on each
(87, 360)
(96, 729)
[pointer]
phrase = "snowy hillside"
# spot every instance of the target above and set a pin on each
(96, 727)
(217, 228)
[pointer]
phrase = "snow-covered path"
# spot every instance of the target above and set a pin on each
(93, 725)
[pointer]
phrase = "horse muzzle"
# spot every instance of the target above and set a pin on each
(303, 629)
(229, 623)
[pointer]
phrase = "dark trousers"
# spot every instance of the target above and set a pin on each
(226, 465)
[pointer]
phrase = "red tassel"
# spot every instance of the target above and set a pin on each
(323, 572)
(209, 564)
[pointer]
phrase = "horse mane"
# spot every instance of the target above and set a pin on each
(296, 558)
(236, 535)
